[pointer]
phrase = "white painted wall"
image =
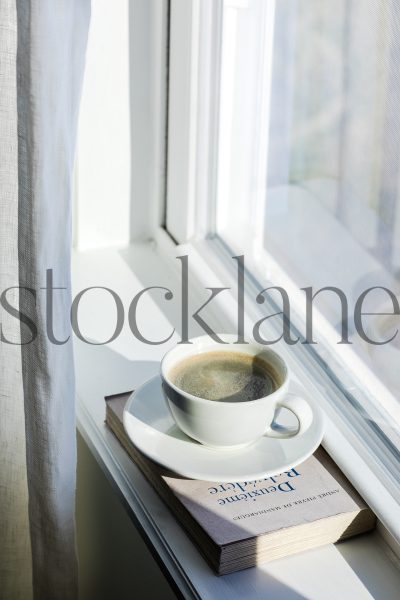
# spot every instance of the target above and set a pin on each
(114, 561)
(103, 160)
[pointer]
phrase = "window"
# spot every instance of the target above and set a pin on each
(269, 129)
(284, 146)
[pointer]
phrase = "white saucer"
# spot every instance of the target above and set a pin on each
(153, 431)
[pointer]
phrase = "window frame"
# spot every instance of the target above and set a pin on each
(192, 117)
(190, 223)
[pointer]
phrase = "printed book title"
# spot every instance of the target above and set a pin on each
(251, 490)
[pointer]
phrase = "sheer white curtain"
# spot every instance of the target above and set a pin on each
(42, 50)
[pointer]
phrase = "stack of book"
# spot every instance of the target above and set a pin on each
(241, 524)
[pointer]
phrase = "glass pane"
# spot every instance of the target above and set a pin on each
(309, 171)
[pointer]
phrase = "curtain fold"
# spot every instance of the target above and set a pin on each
(15, 553)
(44, 56)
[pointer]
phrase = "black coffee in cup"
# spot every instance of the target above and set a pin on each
(225, 376)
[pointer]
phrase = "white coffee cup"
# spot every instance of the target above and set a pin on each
(231, 425)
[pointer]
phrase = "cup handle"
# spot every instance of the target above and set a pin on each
(301, 410)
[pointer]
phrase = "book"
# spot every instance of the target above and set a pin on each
(241, 524)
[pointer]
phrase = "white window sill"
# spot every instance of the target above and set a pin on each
(363, 567)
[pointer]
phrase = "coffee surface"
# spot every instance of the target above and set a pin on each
(225, 376)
